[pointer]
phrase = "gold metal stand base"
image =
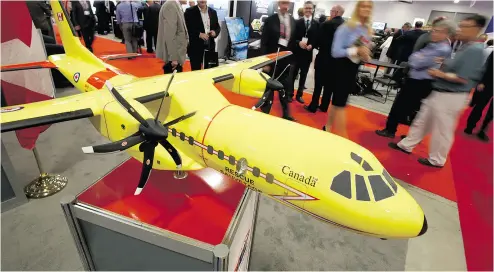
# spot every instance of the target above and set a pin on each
(179, 174)
(45, 185)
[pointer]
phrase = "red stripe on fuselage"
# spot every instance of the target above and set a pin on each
(207, 128)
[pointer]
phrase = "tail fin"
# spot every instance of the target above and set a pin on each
(70, 40)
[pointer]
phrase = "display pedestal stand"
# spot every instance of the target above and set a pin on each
(46, 184)
(203, 222)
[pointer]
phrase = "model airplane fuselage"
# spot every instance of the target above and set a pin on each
(330, 178)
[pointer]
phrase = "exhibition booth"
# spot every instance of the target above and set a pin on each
(225, 187)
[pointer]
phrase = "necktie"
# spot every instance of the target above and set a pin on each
(307, 24)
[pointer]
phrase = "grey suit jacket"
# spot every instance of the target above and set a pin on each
(172, 33)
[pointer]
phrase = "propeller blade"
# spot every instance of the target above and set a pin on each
(173, 152)
(121, 145)
(166, 92)
(262, 75)
(147, 164)
(179, 119)
(125, 104)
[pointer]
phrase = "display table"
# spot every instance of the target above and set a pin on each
(203, 222)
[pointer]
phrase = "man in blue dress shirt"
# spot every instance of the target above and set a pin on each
(450, 90)
(418, 85)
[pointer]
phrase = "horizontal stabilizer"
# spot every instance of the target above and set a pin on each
(106, 58)
(28, 66)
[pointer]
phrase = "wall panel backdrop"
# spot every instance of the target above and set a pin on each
(397, 13)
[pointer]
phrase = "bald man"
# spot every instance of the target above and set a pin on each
(323, 62)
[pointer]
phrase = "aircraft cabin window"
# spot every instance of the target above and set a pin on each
(390, 180)
(380, 189)
(256, 171)
(191, 140)
(361, 188)
(210, 149)
(221, 154)
(174, 132)
(269, 178)
(182, 136)
(342, 184)
(231, 160)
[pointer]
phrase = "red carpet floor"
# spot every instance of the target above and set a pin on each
(466, 178)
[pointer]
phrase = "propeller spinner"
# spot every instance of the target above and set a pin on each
(151, 133)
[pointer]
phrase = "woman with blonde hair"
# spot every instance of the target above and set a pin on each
(350, 46)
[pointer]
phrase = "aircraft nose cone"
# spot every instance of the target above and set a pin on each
(424, 227)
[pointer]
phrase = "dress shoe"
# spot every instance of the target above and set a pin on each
(300, 99)
(482, 136)
(396, 147)
(385, 133)
(426, 162)
(309, 109)
(289, 118)
(468, 131)
(289, 99)
(324, 128)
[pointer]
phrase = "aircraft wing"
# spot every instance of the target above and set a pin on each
(229, 71)
(50, 111)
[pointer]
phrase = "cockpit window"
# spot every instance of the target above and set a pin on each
(380, 189)
(367, 166)
(342, 184)
(361, 188)
(356, 158)
(390, 180)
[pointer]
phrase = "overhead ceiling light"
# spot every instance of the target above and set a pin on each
(456, 1)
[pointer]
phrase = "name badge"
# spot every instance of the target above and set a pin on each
(87, 13)
(305, 39)
(283, 42)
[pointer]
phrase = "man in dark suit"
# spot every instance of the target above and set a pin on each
(395, 47)
(202, 24)
(306, 30)
(407, 42)
(322, 64)
(484, 94)
(151, 14)
(278, 32)
(84, 21)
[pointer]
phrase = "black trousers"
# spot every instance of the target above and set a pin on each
(87, 34)
(482, 99)
(151, 38)
(300, 66)
(196, 57)
(103, 23)
(408, 102)
(320, 81)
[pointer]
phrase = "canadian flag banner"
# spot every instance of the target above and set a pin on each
(22, 43)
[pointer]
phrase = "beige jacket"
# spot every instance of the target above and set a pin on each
(172, 33)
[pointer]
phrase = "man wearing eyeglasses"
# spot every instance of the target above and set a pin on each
(453, 81)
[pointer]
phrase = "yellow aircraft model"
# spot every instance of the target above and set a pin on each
(191, 126)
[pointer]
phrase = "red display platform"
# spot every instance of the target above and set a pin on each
(200, 206)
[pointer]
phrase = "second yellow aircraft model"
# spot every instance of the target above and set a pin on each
(192, 126)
